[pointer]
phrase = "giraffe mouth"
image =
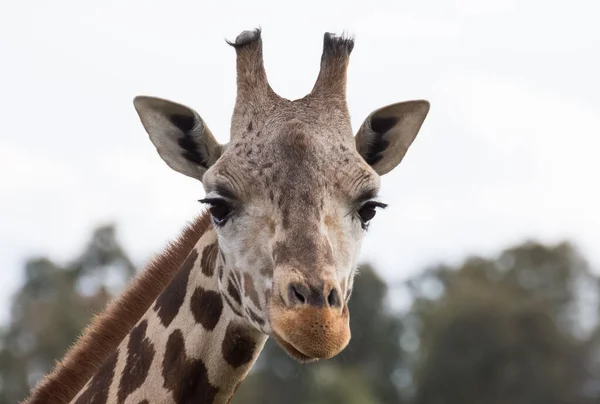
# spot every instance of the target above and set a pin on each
(291, 350)
(309, 334)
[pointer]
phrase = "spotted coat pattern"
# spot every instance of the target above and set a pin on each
(284, 266)
(189, 347)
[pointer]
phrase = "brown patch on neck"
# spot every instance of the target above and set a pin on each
(250, 290)
(170, 300)
(97, 391)
(102, 337)
(234, 290)
(185, 377)
(239, 345)
(206, 307)
(140, 353)
(209, 257)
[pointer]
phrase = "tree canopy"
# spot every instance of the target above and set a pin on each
(520, 327)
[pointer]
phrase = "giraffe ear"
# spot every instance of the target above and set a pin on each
(387, 133)
(180, 136)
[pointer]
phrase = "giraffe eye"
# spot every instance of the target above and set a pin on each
(219, 209)
(368, 211)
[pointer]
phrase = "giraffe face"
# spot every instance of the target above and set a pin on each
(290, 217)
(291, 194)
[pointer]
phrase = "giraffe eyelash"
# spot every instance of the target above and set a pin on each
(376, 204)
(220, 210)
(359, 205)
(212, 201)
(367, 212)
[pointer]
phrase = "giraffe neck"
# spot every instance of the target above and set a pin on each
(190, 346)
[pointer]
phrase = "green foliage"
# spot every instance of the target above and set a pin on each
(53, 306)
(503, 330)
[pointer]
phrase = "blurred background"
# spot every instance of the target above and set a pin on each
(479, 283)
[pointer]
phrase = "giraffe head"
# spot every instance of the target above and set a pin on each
(291, 194)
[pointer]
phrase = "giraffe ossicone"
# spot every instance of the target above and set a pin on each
(289, 200)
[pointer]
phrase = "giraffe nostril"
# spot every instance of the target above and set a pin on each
(297, 294)
(321, 297)
(334, 298)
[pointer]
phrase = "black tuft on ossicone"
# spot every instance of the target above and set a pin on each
(245, 38)
(334, 45)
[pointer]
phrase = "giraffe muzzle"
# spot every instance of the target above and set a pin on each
(308, 332)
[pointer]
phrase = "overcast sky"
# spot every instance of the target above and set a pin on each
(508, 151)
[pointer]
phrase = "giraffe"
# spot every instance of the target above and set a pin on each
(289, 199)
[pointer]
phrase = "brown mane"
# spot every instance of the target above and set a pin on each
(108, 328)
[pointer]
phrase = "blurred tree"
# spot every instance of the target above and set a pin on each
(505, 330)
(53, 306)
(519, 328)
(363, 373)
